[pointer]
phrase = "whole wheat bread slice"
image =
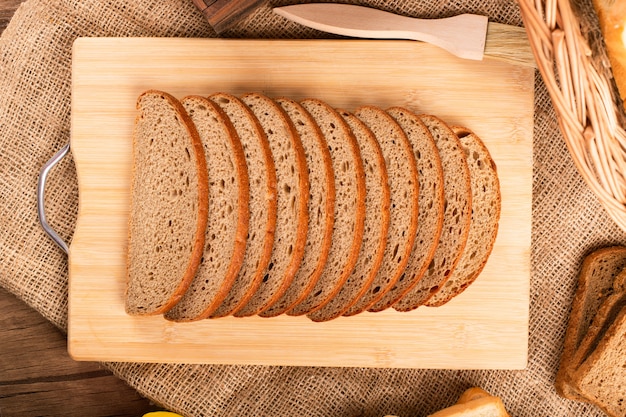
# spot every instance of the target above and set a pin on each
(486, 206)
(321, 208)
(169, 204)
(349, 206)
(457, 215)
(292, 213)
(595, 285)
(262, 204)
(431, 205)
(602, 377)
(404, 198)
(228, 216)
(377, 202)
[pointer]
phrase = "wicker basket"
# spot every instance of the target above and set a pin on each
(577, 75)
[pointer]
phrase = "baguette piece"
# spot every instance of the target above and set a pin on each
(430, 203)
(486, 206)
(595, 285)
(404, 210)
(228, 216)
(471, 394)
(612, 19)
(487, 406)
(602, 377)
(321, 208)
(377, 202)
(292, 202)
(168, 213)
(457, 215)
(349, 206)
(262, 205)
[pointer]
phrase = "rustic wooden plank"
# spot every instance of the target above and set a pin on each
(37, 376)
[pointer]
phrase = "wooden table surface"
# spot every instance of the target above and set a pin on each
(37, 377)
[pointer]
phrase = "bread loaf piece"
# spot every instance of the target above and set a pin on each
(321, 208)
(602, 377)
(487, 406)
(169, 204)
(457, 215)
(595, 284)
(225, 241)
(262, 202)
(486, 203)
(292, 181)
(404, 198)
(349, 206)
(612, 18)
(377, 202)
(430, 203)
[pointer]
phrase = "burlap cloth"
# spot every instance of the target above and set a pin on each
(35, 56)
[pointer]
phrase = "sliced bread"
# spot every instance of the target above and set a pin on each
(430, 203)
(377, 202)
(349, 206)
(292, 195)
(262, 202)
(321, 208)
(225, 241)
(404, 199)
(602, 377)
(457, 215)
(486, 206)
(595, 285)
(168, 205)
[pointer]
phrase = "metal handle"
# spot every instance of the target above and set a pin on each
(41, 187)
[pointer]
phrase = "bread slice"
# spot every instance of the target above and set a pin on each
(168, 205)
(225, 241)
(292, 202)
(321, 208)
(457, 215)
(430, 203)
(595, 284)
(377, 202)
(262, 202)
(487, 406)
(349, 206)
(486, 206)
(404, 210)
(602, 377)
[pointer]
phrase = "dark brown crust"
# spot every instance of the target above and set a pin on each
(203, 200)
(563, 383)
(243, 216)
(467, 281)
(379, 254)
(329, 214)
(411, 230)
(402, 305)
(359, 224)
(303, 216)
(268, 243)
(394, 295)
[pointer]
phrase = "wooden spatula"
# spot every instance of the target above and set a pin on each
(466, 36)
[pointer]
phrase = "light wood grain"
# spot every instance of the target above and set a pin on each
(485, 327)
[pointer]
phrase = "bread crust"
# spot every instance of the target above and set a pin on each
(444, 295)
(305, 307)
(430, 237)
(302, 222)
(612, 19)
(329, 214)
(202, 202)
(271, 208)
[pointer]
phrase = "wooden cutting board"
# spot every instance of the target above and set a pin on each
(485, 327)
